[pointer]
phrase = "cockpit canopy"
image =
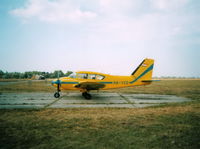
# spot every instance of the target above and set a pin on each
(86, 76)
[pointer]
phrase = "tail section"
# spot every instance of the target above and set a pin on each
(144, 71)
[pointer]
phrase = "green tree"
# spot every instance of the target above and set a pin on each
(1, 74)
(57, 73)
(68, 73)
(6, 75)
(28, 75)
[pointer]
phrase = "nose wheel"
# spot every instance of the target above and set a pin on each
(57, 95)
(86, 95)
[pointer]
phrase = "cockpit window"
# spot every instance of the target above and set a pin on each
(91, 76)
(86, 76)
(82, 75)
(99, 77)
(73, 75)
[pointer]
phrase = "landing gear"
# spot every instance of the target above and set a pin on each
(86, 95)
(57, 95)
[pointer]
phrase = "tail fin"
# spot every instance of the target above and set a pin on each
(144, 70)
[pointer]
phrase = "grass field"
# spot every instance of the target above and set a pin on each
(174, 126)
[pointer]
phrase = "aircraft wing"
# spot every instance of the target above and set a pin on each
(90, 85)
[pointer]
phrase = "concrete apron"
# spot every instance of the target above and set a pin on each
(75, 100)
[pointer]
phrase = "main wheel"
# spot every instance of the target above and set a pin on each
(86, 95)
(57, 95)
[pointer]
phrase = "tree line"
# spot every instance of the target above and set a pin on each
(30, 74)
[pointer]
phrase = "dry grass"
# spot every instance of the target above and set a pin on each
(167, 127)
(117, 114)
(12, 80)
(28, 86)
(97, 114)
(184, 88)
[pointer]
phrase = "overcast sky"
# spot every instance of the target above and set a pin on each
(108, 36)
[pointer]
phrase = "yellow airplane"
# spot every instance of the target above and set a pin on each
(86, 81)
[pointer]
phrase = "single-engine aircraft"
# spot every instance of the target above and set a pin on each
(86, 81)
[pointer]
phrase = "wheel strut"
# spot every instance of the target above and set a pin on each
(86, 95)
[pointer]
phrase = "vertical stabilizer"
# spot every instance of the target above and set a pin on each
(145, 70)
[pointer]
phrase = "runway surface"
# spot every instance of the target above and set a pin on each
(75, 100)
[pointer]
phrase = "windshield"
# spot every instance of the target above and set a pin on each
(86, 76)
(82, 75)
(73, 75)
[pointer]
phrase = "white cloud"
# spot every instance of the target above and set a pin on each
(53, 11)
(68, 11)
(168, 4)
(116, 21)
(113, 7)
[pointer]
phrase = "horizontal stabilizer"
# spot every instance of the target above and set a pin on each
(150, 81)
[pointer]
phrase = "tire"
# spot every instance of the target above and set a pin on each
(57, 95)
